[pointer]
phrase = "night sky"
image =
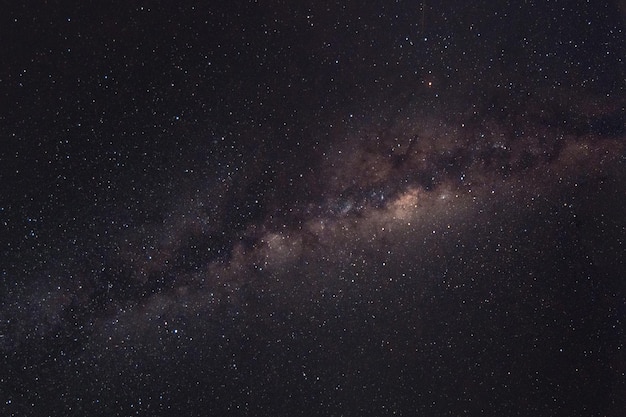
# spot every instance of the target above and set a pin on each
(313, 208)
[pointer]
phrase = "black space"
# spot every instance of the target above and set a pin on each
(347, 208)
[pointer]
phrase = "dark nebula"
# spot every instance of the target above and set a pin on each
(320, 208)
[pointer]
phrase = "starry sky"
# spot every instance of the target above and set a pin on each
(339, 208)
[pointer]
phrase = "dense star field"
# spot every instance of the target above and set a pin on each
(333, 208)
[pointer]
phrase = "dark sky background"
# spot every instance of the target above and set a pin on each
(338, 208)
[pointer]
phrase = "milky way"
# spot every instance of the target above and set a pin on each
(326, 211)
(379, 191)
